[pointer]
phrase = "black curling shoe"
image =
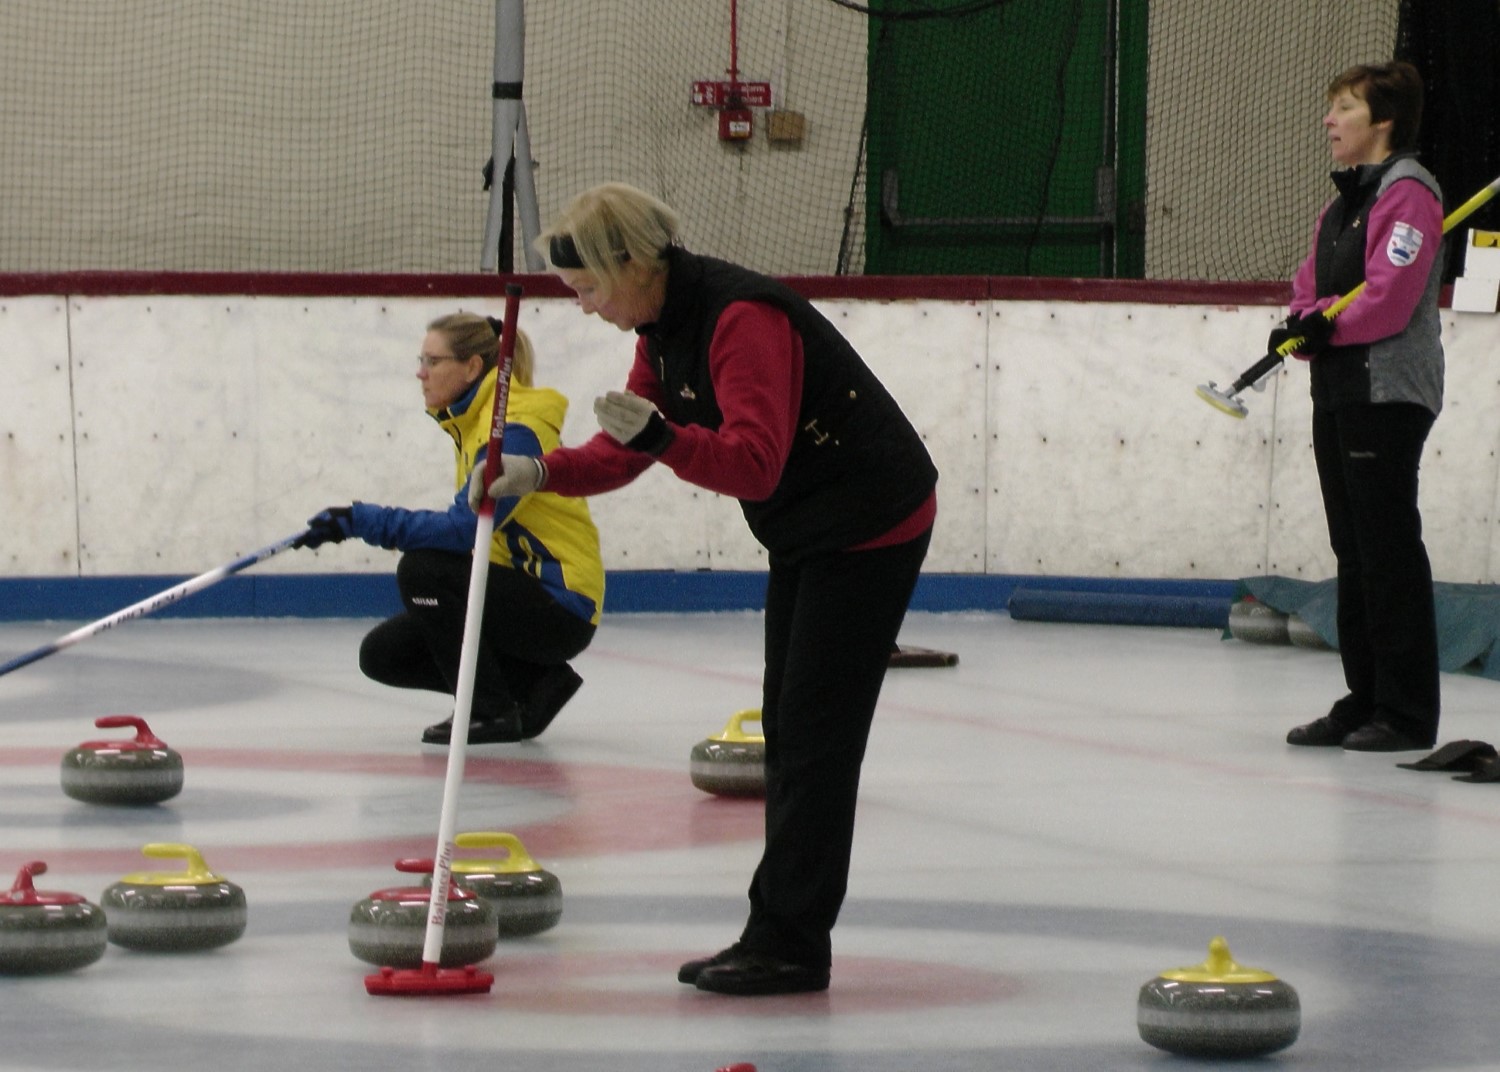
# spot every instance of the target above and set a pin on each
(1378, 737)
(1325, 732)
(690, 971)
(494, 729)
(552, 690)
(755, 974)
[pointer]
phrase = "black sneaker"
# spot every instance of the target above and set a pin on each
(494, 729)
(547, 697)
(690, 971)
(755, 974)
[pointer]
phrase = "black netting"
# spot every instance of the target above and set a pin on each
(320, 135)
(1177, 139)
(1454, 43)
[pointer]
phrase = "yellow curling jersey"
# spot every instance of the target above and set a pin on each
(551, 537)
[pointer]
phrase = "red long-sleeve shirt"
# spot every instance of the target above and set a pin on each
(755, 360)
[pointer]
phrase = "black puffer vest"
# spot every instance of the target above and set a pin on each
(857, 467)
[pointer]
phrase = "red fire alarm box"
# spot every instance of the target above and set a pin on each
(735, 124)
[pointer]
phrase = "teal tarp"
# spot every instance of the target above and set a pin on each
(1468, 617)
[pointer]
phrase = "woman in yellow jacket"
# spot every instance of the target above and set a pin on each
(546, 580)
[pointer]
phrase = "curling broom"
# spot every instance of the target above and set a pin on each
(430, 979)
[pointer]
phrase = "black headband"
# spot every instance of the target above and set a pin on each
(496, 325)
(563, 253)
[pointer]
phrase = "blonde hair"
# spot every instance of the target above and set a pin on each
(471, 335)
(608, 227)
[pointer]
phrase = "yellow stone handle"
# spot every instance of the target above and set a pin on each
(1220, 967)
(734, 730)
(517, 859)
(196, 872)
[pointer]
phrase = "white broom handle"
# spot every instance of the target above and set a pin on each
(463, 699)
(468, 657)
(152, 603)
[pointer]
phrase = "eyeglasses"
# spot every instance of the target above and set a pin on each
(431, 361)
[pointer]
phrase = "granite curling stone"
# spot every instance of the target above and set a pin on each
(527, 899)
(1303, 635)
(731, 763)
(171, 912)
(47, 930)
(1252, 621)
(389, 927)
(139, 771)
(1218, 1009)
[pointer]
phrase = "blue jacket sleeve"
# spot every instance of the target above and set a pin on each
(396, 528)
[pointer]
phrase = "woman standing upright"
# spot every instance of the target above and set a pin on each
(1377, 387)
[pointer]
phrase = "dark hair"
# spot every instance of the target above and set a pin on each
(1393, 92)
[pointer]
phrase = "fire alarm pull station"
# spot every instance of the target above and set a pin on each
(733, 101)
(736, 124)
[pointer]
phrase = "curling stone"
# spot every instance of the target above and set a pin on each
(389, 927)
(731, 763)
(1303, 635)
(171, 912)
(526, 898)
(1253, 621)
(139, 771)
(1218, 1009)
(46, 930)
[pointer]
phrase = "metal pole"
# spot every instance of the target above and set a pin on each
(526, 203)
(509, 138)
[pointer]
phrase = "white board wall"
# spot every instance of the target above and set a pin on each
(167, 435)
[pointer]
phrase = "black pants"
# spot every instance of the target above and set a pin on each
(524, 632)
(831, 624)
(1367, 459)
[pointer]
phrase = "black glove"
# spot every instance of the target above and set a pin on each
(334, 525)
(1314, 329)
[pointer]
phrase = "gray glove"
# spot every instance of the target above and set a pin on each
(522, 474)
(632, 421)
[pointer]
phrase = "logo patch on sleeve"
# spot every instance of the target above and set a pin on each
(1405, 243)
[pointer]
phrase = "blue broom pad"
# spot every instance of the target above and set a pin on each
(1118, 608)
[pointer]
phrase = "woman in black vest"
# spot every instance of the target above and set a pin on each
(1377, 387)
(740, 386)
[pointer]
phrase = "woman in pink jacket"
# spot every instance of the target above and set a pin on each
(1377, 387)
